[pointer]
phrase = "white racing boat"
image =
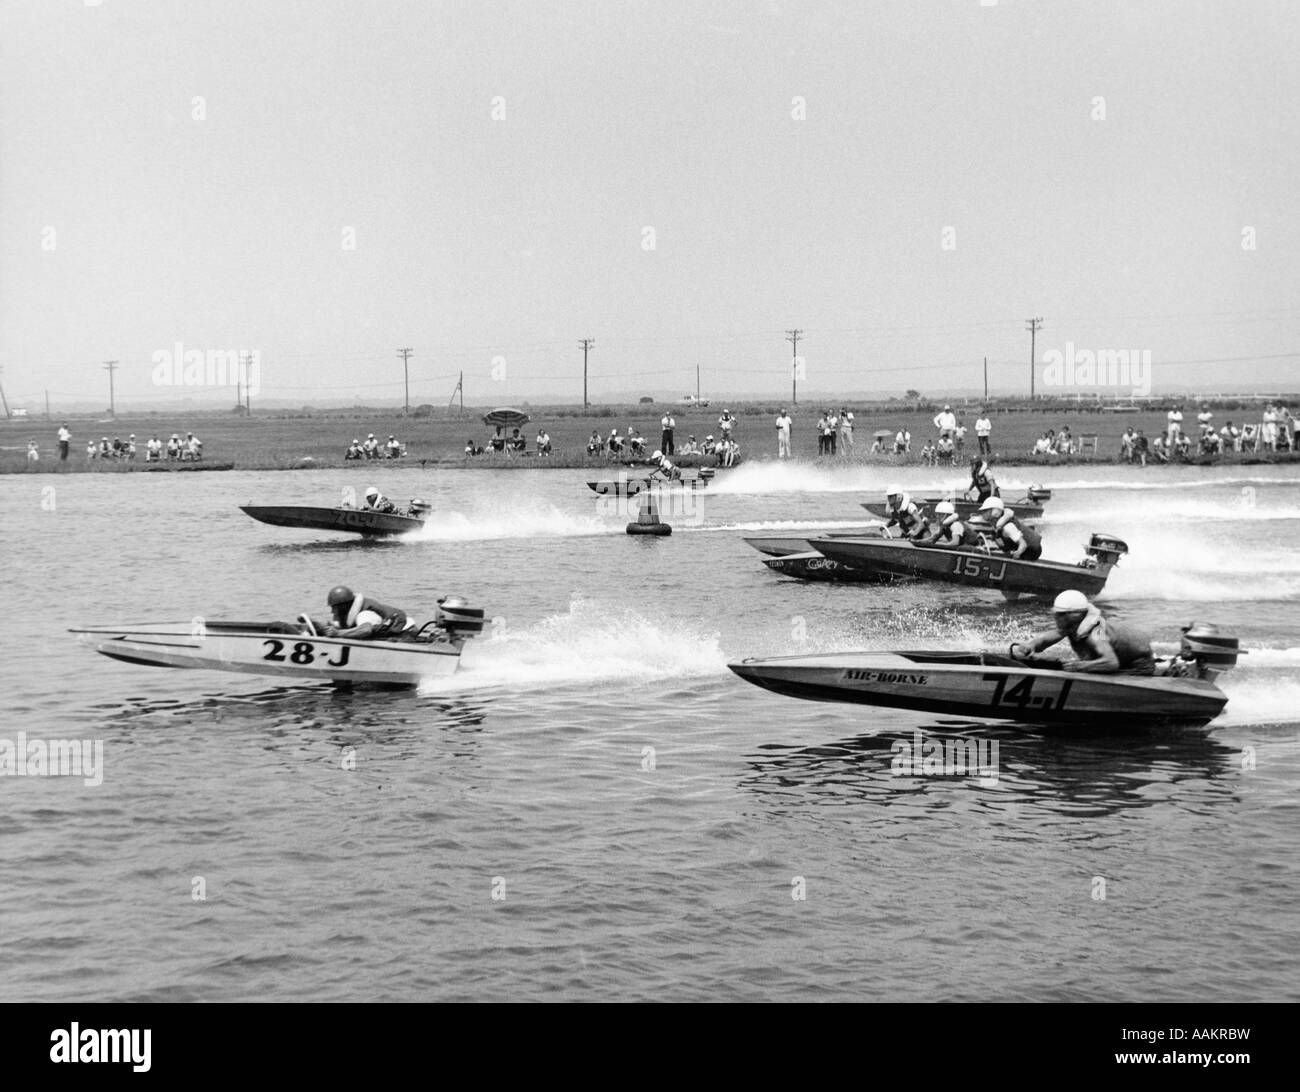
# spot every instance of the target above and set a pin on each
(295, 648)
(985, 684)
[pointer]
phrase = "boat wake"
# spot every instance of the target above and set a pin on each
(519, 519)
(594, 643)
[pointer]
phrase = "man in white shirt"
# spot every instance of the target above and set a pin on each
(667, 424)
(846, 431)
(946, 422)
(984, 429)
(783, 424)
(1175, 424)
(65, 439)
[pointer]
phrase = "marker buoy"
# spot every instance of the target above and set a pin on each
(647, 520)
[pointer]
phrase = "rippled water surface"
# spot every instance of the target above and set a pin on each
(594, 807)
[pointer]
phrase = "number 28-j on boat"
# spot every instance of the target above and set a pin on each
(1001, 687)
(296, 649)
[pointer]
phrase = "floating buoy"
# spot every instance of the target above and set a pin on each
(647, 520)
(306, 460)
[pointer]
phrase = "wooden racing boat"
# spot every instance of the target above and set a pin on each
(294, 649)
(810, 565)
(978, 567)
(357, 521)
(984, 684)
(783, 546)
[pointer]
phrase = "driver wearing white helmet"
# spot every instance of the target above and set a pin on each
(952, 533)
(377, 502)
(1009, 533)
(1103, 647)
(664, 467)
(900, 509)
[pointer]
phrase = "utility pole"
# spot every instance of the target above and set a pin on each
(586, 343)
(246, 359)
(1032, 326)
(986, 379)
(792, 336)
(111, 365)
(405, 354)
(460, 386)
(697, 384)
(47, 403)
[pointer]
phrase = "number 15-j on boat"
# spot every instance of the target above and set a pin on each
(298, 649)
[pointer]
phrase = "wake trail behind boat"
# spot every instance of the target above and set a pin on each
(519, 519)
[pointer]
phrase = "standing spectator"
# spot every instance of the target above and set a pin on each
(727, 424)
(666, 440)
(846, 431)
(1269, 432)
(833, 420)
(1174, 426)
(900, 442)
(1203, 419)
(65, 442)
(783, 424)
(984, 429)
(824, 432)
(960, 435)
(946, 422)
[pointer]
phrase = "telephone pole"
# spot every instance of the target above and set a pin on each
(793, 336)
(405, 354)
(986, 379)
(246, 359)
(111, 365)
(1032, 326)
(586, 343)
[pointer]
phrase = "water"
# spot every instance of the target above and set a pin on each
(643, 818)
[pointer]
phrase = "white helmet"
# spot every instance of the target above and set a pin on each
(372, 492)
(657, 455)
(1069, 601)
(944, 508)
(990, 503)
(893, 491)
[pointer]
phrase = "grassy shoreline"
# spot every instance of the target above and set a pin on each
(308, 442)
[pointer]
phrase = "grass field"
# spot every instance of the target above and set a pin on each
(283, 442)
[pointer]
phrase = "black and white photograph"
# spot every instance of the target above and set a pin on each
(577, 501)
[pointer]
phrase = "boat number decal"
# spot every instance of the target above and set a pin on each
(980, 568)
(304, 652)
(1021, 693)
(821, 563)
(886, 676)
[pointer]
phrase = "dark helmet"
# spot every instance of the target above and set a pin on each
(340, 595)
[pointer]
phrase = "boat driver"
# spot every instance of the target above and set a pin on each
(952, 533)
(982, 484)
(664, 467)
(363, 619)
(1103, 646)
(377, 502)
(901, 510)
(1014, 537)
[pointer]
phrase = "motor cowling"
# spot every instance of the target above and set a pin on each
(420, 507)
(1038, 494)
(1105, 549)
(1210, 647)
(458, 618)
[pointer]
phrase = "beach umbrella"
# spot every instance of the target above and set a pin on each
(506, 417)
(883, 434)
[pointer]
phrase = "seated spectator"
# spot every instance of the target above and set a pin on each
(615, 443)
(394, 449)
(1160, 449)
(33, 452)
(470, 449)
(1042, 446)
(153, 450)
(92, 450)
(595, 445)
(1230, 436)
(543, 442)
(1141, 448)
(945, 451)
(354, 450)
(192, 449)
(174, 447)
(927, 453)
(1249, 438)
(498, 441)
(1183, 446)
(128, 448)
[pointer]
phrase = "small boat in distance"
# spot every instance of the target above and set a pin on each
(295, 648)
(358, 521)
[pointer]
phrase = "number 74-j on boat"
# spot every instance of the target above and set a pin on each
(299, 649)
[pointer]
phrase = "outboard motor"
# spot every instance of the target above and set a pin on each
(420, 508)
(705, 474)
(1212, 650)
(1104, 551)
(1038, 494)
(457, 618)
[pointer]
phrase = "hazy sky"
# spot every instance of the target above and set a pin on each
(493, 244)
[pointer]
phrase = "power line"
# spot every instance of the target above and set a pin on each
(405, 354)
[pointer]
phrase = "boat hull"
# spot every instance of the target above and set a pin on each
(781, 547)
(985, 685)
(811, 565)
(357, 521)
(1025, 509)
(630, 487)
(255, 648)
(1044, 579)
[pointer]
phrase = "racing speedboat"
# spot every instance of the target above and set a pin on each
(295, 648)
(980, 567)
(1000, 687)
(358, 521)
(625, 485)
(1030, 506)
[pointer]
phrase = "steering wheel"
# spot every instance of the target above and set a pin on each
(308, 625)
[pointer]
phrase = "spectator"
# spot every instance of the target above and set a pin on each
(92, 450)
(946, 422)
(960, 435)
(945, 451)
(394, 449)
(371, 447)
(668, 425)
(614, 444)
(1160, 449)
(153, 450)
(833, 423)
(726, 424)
(902, 441)
(193, 448)
(877, 448)
(1269, 432)
(1140, 447)
(824, 433)
(846, 431)
(33, 452)
(543, 443)
(595, 445)
(984, 430)
(1174, 425)
(354, 451)
(174, 447)
(1231, 436)
(65, 442)
(783, 424)
(927, 454)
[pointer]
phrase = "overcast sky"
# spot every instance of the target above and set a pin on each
(1098, 164)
